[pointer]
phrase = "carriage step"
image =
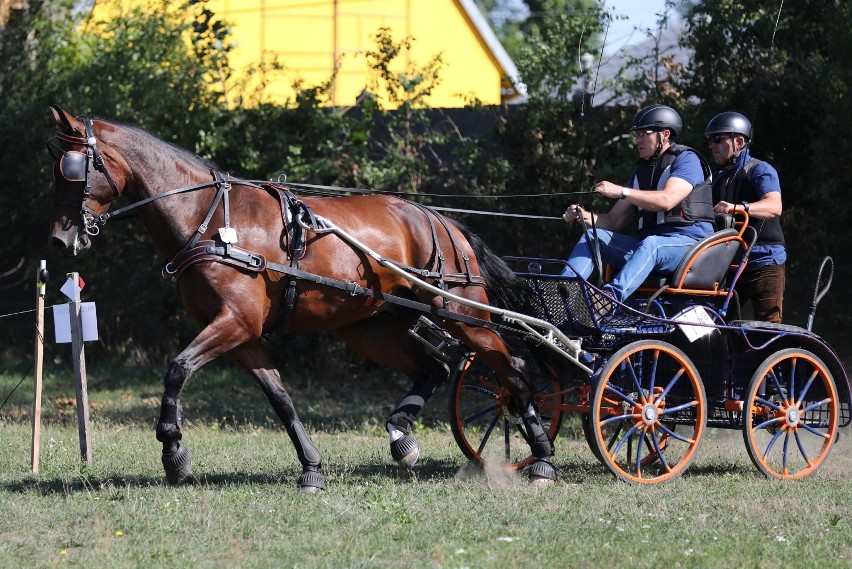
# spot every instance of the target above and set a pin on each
(437, 341)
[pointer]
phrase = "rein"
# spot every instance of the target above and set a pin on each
(342, 190)
(103, 218)
(336, 190)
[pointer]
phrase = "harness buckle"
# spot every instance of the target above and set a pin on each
(91, 223)
(168, 271)
(353, 288)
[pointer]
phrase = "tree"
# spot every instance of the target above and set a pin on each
(787, 67)
(153, 68)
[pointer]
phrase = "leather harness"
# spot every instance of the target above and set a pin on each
(292, 211)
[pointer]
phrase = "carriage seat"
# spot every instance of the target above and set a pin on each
(709, 265)
(704, 268)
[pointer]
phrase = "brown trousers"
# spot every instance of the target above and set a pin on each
(764, 287)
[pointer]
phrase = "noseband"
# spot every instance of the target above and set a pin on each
(75, 166)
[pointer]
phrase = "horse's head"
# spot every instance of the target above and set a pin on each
(88, 175)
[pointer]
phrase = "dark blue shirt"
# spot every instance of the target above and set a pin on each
(764, 178)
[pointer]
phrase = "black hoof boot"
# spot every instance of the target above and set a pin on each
(311, 481)
(542, 473)
(178, 465)
(405, 451)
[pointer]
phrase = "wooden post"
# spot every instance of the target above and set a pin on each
(79, 358)
(41, 284)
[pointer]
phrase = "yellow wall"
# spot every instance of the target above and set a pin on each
(307, 35)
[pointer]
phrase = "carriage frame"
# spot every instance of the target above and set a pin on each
(647, 377)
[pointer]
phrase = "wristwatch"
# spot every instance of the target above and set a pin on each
(624, 193)
(745, 206)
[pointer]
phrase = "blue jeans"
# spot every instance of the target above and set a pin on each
(637, 258)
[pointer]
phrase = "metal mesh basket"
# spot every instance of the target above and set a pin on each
(577, 307)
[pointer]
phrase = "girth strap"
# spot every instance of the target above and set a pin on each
(207, 251)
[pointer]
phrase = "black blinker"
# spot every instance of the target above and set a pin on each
(72, 166)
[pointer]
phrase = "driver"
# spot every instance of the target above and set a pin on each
(669, 189)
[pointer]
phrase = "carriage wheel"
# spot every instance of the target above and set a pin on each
(485, 429)
(609, 432)
(794, 406)
(644, 391)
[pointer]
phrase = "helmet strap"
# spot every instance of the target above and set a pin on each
(736, 155)
(659, 149)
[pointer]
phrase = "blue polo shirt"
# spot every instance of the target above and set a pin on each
(764, 178)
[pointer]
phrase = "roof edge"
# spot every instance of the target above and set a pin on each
(493, 43)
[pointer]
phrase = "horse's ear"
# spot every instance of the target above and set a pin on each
(63, 120)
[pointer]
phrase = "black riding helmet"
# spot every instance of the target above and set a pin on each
(729, 123)
(658, 117)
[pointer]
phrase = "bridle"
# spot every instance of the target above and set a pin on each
(76, 167)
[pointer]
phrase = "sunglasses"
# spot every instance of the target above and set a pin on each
(717, 138)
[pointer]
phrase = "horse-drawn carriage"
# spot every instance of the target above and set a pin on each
(410, 290)
(650, 376)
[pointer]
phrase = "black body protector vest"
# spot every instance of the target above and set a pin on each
(698, 205)
(738, 188)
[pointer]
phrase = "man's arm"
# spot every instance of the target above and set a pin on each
(675, 191)
(767, 207)
(686, 173)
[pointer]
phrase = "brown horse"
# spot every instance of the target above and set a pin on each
(236, 248)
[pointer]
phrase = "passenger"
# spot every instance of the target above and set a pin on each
(669, 190)
(746, 183)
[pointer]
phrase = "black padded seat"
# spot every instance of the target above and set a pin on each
(704, 267)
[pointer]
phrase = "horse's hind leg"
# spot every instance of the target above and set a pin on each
(384, 340)
(253, 357)
(491, 348)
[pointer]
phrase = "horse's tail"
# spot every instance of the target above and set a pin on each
(505, 289)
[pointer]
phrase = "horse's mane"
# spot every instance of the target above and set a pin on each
(180, 152)
(505, 289)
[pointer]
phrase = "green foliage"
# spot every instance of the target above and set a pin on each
(167, 70)
(793, 83)
(139, 68)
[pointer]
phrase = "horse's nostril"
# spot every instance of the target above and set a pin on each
(59, 244)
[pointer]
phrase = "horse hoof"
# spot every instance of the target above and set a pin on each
(405, 451)
(542, 473)
(311, 482)
(178, 465)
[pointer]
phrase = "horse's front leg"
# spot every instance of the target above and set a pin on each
(254, 358)
(221, 335)
(177, 459)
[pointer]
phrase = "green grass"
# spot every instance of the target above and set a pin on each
(242, 509)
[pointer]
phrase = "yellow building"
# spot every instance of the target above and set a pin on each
(309, 36)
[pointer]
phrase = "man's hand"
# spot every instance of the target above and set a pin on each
(573, 213)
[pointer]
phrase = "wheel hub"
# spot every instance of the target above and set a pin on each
(650, 413)
(508, 415)
(792, 416)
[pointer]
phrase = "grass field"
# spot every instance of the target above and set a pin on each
(243, 510)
